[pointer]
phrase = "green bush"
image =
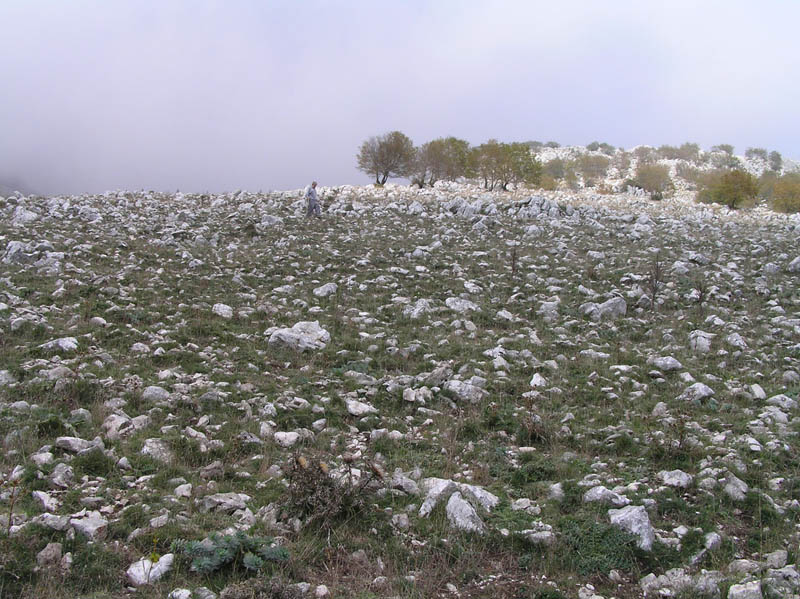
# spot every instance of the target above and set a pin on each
(653, 178)
(734, 189)
(592, 167)
(766, 185)
(555, 168)
(786, 193)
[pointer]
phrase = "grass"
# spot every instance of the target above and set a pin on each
(589, 420)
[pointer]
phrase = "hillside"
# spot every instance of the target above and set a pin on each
(614, 169)
(444, 392)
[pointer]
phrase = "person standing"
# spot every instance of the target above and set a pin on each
(313, 202)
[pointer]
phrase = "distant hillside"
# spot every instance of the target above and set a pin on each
(615, 169)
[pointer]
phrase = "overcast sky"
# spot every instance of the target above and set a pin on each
(213, 96)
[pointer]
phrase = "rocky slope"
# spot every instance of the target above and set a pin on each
(445, 392)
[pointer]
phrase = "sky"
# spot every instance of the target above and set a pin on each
(200, 95)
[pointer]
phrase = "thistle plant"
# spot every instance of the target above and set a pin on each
(218, 551)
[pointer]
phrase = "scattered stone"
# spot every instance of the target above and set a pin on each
(155, 394)
(225, 502)
(159, 450)
(146, 572)
(462, 515)
(748, 590)
(634, 519)
(49, 556)
(359, 408)
(303, 336)
(222, 310)
(92, 525)
(676, 478)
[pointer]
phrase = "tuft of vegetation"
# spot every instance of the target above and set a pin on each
(316, 495)
(240, 549)
(597, 548)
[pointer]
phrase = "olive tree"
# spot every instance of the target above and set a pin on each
(500, 164)
(388, 155)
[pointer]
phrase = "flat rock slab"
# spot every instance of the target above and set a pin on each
(225, 502)
(92, 525)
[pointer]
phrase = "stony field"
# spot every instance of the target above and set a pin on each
(439, 393)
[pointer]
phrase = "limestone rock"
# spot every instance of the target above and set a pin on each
(91, 525)
(154, 393)
(676, 478)
(158, 449)
(146, 572)
(747, 590)
(326, 290)
(464, 391)
(303, 336)
(225, 502)
(462, 515)
(359, 408)
(49, 556)
(222, 310)
(603, 495)
(634, 519)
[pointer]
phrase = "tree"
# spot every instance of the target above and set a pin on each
(456, 163)
(644, 155)
(428, 164)
(520, 165)
(486, 159)
(388, 155)
(687, 151)
(724, 148)
(723, 158)
(503, 164)
(440, 159)
(753, 153)
(775, 161)
(605, 148)
(732, 188)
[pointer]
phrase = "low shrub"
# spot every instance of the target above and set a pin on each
(314, 494)
(786, 193)
(217, 551)
(592, 167)
(653, 178)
